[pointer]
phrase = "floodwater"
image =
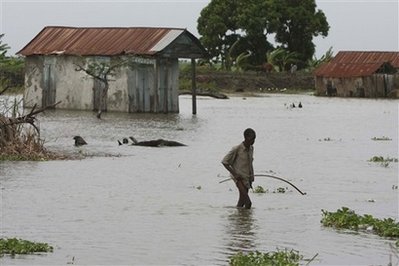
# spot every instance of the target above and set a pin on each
(165, 206)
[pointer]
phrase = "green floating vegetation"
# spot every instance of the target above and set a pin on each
(379, 159)
(280, 257)
(259, 189)
(345, 218)
(383, 161)
(280, 190)
(15, 246)
(326, 139)
(383, 138)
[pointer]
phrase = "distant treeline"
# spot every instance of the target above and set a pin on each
(12, 69)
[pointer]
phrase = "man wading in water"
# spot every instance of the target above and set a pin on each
(239, 163)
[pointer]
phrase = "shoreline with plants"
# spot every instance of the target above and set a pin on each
(249, 83)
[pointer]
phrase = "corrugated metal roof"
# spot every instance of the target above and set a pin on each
(367, 57)
(336, 70)
(100, 41)
(357, 64)
(166, 40)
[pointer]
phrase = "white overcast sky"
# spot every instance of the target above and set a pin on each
(367, 25)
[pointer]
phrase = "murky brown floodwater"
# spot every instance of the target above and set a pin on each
(141, 205)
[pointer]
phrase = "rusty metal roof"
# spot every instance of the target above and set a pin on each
(367, 57)
(102, 41)
(357, 64)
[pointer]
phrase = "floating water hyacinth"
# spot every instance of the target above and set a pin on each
(345, 218)
(14, 246)
(383, 138)
(259, 189)
(383, 161)
(280, 257)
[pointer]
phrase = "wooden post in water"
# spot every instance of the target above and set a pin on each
(193, 86)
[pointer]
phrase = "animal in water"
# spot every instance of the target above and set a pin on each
(154, 143)
(125, 141)
(79, 141)
(300, 105)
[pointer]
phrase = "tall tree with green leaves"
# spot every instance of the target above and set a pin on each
(298, 21)
(294, 23)
(218, 27)
(254, 21)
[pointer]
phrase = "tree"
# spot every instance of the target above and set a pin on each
(315, 62)
(102, 72)
(242, 61)
(294, 23)
(254, 21)
(257, 45)
(281, 59)
(297, 23)
(218, 26)
(11, 69)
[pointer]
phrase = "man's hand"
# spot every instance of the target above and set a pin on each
(237, 178)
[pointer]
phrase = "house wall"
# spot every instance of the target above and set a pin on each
(72, 87)
(374, 86)
(140, 85)
(33, 81)
(152, 85)
(168, 80)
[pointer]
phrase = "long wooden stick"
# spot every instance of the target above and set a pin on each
(275, 177)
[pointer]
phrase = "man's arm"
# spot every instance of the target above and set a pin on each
(227, 162)
(229, 168)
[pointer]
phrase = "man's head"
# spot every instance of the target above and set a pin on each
(249, 137)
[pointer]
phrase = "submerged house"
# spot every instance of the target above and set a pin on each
(145, 81)
(359, 74)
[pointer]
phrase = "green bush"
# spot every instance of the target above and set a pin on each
(11, 69)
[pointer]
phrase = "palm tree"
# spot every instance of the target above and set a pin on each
(314, 62)
(241, 60)
(272, 57)
(281, 59)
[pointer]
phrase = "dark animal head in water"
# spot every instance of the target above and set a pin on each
(79, 141)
